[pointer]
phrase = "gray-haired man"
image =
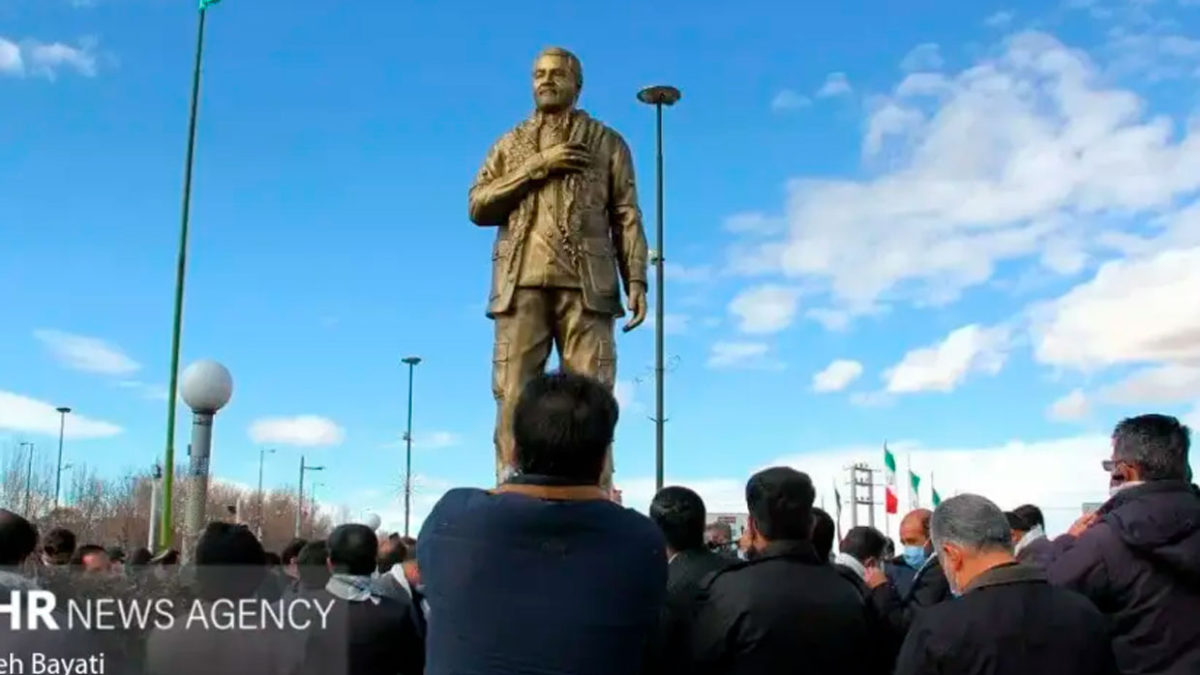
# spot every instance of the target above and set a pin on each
(1008, 618)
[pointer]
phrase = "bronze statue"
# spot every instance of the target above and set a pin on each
(559, 188)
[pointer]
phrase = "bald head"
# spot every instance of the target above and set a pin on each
(914, 528)
(18, 538)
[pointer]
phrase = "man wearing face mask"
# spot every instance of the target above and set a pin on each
(1138, 556)
(1009, 620)
(928, 587)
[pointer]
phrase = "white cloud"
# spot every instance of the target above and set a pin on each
(301, 430)
(836, 84)
(11, 62)
(765, 309)
(753, 222)
(28, 415)
(943, 366)
(787, 100)
(1168, 383)
(734, 354)
(88, 354)
(1072, 407)
(999, 19)
(1026, 147)
(926, 56)
(1068, 475)
(1132, 311)
(837, 375)
(42, 59)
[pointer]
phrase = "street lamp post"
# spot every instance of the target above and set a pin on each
(62, 425)
(28, 481)
(155, 481)
(312, 513)
(412, 361)
(300, 493)
(262, 454)
(207, 387)
(658, 96)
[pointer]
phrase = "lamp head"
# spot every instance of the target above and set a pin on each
(207, 386)
(411, 360)
(660, 94)
(64, 410)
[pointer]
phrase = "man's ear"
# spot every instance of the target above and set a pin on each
(951, 556)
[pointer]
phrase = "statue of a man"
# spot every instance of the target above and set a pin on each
(559, 188)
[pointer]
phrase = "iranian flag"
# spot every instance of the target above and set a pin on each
(892, 503)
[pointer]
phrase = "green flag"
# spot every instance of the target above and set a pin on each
(204, 4)
(937, 499)
(915, 480)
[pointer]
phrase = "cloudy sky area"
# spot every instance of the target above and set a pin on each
(971, 231)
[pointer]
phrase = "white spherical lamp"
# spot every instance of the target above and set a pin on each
(207, 386)
(373, 521)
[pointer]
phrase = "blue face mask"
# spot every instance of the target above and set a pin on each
(914, 556)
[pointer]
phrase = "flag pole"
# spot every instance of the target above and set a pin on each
(165, 529)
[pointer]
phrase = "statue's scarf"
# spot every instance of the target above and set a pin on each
(583, 130)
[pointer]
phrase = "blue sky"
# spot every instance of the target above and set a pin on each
(978, 221)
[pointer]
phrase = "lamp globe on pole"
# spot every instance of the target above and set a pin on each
(207, 386)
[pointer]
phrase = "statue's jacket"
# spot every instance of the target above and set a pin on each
(601, 225)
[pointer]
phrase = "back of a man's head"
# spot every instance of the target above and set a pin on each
(90, 558)
(1031, 514)
(18, 539)
(59, 545)
(780, 503)
(395, 554)
(679, 513)
(353, 549)
(312, 562)
(864, 543)
(1156, 444)
(289, 553)
(229, 562)
(823, 533)
(972, 523)
(563, 426)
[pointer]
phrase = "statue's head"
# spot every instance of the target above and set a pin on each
(557, 79)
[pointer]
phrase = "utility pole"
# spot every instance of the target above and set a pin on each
(300, 493)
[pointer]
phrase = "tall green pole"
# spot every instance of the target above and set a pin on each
(165, 530)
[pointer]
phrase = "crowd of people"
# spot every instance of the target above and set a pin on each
(547, 574)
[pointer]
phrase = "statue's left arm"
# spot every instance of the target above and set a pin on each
(626, 217)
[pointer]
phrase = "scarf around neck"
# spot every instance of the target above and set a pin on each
(352, 588)
(847, 560)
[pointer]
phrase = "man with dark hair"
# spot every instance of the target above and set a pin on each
(823, 533)
(313, 565)
(229, 568)
(785, 605)
(862, 549)
(91, 559)
(18, 539)
(1138, 556)
(548, 548)
(718, 538)
(367, 633)
(58, 547)
(1009, 620)
(680, 514)
(1029, 535)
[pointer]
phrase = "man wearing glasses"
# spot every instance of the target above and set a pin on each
(1138, 556)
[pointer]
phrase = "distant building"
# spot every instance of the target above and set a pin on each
(736, 521)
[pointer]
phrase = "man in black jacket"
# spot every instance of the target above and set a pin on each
(929, 587)
(1138, 557)
(1009, 620)
(784, 611)
(680, 514)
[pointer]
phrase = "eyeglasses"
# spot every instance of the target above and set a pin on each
(1110, 464)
